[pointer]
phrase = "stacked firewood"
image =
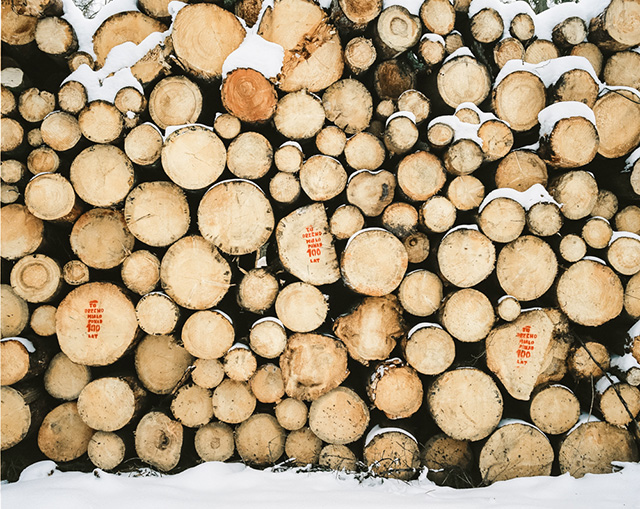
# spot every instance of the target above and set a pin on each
(356, 235)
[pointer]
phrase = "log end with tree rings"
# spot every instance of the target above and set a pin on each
(466, 257)
(364, 151)
(588, 360)
(193, 157)
(396, 30)
(401, 219)
(554, 409)
(143, 144)
(60, 131)
(331, 141)
(106, 450)
(464, 79)
(507, 49)
(291, 413)
(194, 274)
(101, 122)
(359, 55)
(161, 363)
(249, 156)
(438, 214)
(628, 219)
(140, 272)
(597, 232)
(236, 216)
(590, 293)
(192, 406)
(420, 293)
(540, 50)
(51, 197)
(508, 308)
(592, 447)
(257, 290)
(522, 27)
(374, 262)
(521, 169)
(36, 278)
(619, 403)
(65, 379)
(467, 315)
(101, 239)
(285, 188)
(429, 349)
(102, 175)
(487, 25)
(544, 219)
(267, 384)
(392, 454)
(268, 338)
(348, 104)
(313, 365)
(239, 363)
(612, 110)
(466, 192)
(322, 177)
(207, 373)
(631, 297)
(346, 221)
(75, 273)
(575, 85)
(43, 160)
(448, 460)
(572, 143)
(34, 104)
(299, 116)
(260, 440)
(288, 157)
(497, 139)
(624, 255)
(227, 126)
(526, 268)
(502, 220)
(208, 334)
(615, 28)
(606, 204)
(303, 447)
(301, 307)
(200, 28)
(157, 213)
(514, 450)
(438, 16)
(22, 412)
(396, 389)
(158, 441)
(157, 313)
(371, 191)
(96, 324)
(372, 329)
(339, 417)
(110, 403)
(518, 99)
(249, 96)
(14, 312)
(215, 442)
(63, 435)
(465, 403)
(463, 157)
(400, 134)
(621, 69)
(392, 77)
(337, 457)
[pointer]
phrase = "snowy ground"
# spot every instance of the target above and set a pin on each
(216, 485)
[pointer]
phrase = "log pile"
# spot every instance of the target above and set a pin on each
(354, 235)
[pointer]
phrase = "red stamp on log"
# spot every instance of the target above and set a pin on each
(526, 345)
(313, 238)
(93, 313)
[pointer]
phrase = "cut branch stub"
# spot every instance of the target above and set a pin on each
(305, 246)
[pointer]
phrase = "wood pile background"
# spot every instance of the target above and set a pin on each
(416, 245)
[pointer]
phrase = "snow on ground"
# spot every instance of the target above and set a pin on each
(219, 485)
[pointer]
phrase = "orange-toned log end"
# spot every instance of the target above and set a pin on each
(248, 95)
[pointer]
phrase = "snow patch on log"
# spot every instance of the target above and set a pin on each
(397, 114)
(595, 259)
(433, 38)
(255, 53)
(378, 430)
(23, 341)
(103, 84)
(551, 115)
(583, 419)
(461, 130)
(423, 325)
(623, 234)
(624, 362)
(634, 331)
(631, 160)
(462, 227)
(605, 382)
(413, 6)
(460, 52)
(172, 128)
(535, 194)
(508, 420)
(549, 71)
